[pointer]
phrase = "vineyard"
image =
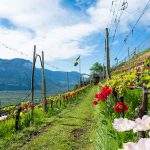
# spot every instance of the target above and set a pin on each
(75, 75)
(120, 113)
(18, 117)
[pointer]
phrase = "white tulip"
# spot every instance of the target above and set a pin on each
(123, 124)
(3, 118)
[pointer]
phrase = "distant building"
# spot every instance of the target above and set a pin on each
(95, 78)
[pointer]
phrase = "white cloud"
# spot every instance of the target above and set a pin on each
(57, 31)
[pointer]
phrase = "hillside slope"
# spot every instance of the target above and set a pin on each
(136, 60)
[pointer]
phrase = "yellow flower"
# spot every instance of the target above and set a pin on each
(21, 114)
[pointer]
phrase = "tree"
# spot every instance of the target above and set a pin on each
(96, 68)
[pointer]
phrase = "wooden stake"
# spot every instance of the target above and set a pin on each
(32, 83)
(142, 109)
(80, 71)
(107, 54)
(129, 59)
(17, 117)
(103, 71)
(44, 85)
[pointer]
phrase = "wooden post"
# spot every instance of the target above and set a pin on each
(142, 109)
(107, 54)
(51, 104)
(136, 57)
(80, 70)
(103, 71)
(17, 117)
(32, 83)
(60, 103)
(129, 59)
(44, 85)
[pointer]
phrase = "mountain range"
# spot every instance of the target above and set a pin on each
(15, 74)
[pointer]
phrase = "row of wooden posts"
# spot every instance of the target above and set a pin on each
(58, 102)
(35, 56)
(41, 58)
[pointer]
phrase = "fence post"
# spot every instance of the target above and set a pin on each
(107, 54)
(32, 83)
(103, 71)
(129, 59)
(142, 109)
(44, 85)
(17, 117)
(51, 104)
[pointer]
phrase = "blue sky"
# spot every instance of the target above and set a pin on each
(65, 29)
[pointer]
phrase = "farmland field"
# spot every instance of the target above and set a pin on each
(14, 97)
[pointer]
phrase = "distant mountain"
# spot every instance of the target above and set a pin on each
(15, 74)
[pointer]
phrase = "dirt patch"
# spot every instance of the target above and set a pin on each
(77, 132)
(65, 124)
(34, 134)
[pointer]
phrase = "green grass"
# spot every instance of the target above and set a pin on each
(79, 126)
(71, 128)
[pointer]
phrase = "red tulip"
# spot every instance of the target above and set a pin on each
(132, 86)
(32, 106)
(96, 95)
(121, 107)
(101, 97)
(94, 103)
(105, 92)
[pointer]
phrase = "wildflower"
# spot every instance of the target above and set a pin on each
(94, 103)
(123, 124)
(132, 86)
(121, 107)
(21, 114)
(130, 146)
(3, 118)
(32, 106)
(106, 91)
(138, 69)
(24, 108)
(142, 124)
(142, 144)
(96, 95)
(137, 125)
(100, 97)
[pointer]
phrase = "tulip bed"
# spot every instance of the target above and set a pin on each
(54, 106)
(118, 104)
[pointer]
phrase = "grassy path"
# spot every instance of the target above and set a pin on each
(72, 129)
